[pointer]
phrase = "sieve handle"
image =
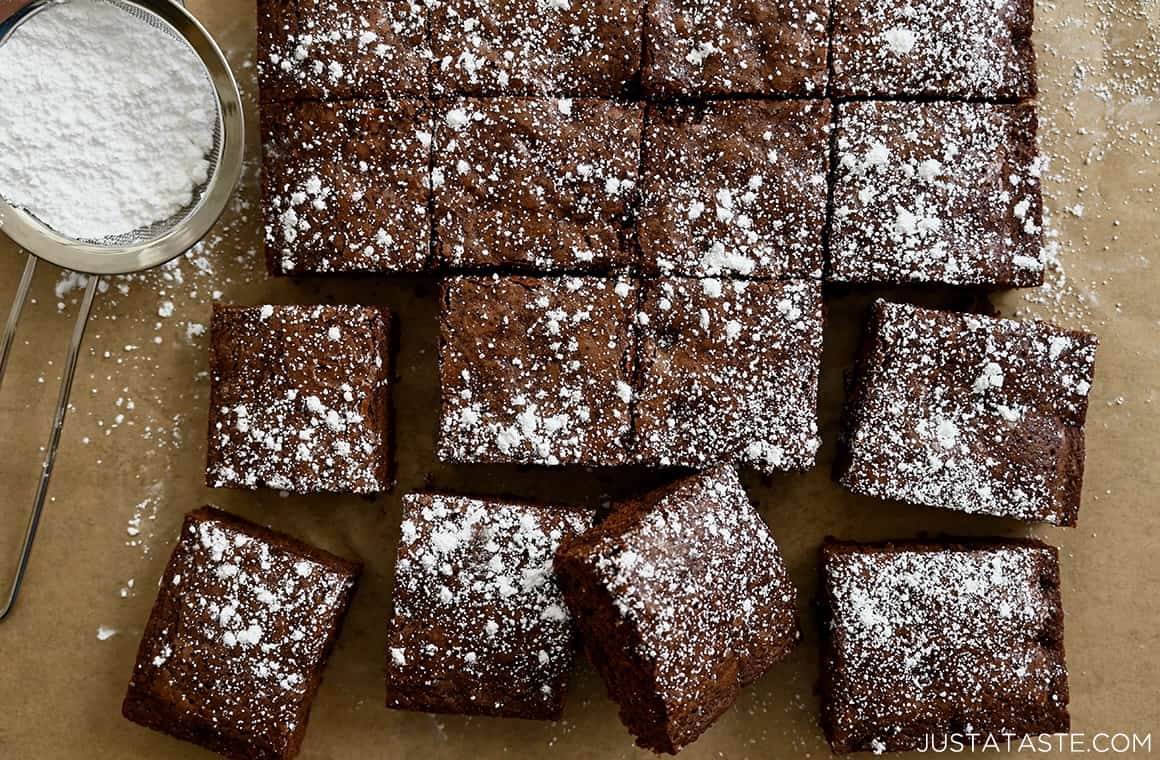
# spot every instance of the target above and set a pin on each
(58, 419)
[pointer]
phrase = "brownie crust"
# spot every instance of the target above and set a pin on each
(682, 599)
(300, 398)
(233, 652)
(735, 188)
(345, 186)
(970, 413)
(536, 184)
(927, 639)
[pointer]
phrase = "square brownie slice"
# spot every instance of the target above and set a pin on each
(345, 186)
(928, 639)
(536, 184)
(480, 626)
(341, 49)
(536, 371)
(728, 373)
(937, 192)
(698, 48)
(536, 47)
(931, 48)
(735, 188)
(969, 412)
(234, 649)
(682, 598)
(300, 398)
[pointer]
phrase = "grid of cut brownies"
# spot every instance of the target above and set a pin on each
(682, 599)
(300, 398)
(932, 639)
(539, 162)
(233, 652)
(480, 626)
(970, 413)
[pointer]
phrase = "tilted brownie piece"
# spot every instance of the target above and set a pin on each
(968, 49)
(682, 598)
(537, 184)
(341, 49)
(970, 413)
(735, 188)
(233, 652)
(923, 640)
(480, 626)
(937, 192)
(300, 398)
(536, 47)
(729, 373)
(536, 371)
(346, 186)
(726, 47)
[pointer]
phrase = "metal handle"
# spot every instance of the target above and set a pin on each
(58, 419)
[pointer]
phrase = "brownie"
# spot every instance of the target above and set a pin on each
(480, 626)
(300, 398)
(698, 48)
(735, 188)
(932, 48)
(536, 371)
(536, 47)
(969, 413)
(937, 193)
(681, 598)
(536, 184)
(729, 373)
(341, 49)
(923, 640)
(233, 652)
(346, 186)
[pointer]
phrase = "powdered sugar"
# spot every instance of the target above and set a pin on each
(106, 121)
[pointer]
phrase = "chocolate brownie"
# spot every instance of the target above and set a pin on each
(937, 192)
(682, 598)
(729, 373)
(536, 371)
(341, 49)
(536, 184)
(735, 188)
(300, 398)
(923, 640)
(536, 47)
(480, 627)
(233, 652)
(346, 186)
(968, 49)
(697, 48)
(970, 413)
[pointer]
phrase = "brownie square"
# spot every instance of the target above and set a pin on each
(728, 372)
(681, 598)
(300, 398)
(735, 188)
(480, 626)
(341, 49)
(536, 371)
(698, 48)
(346, 186)
(233, 652)
(536, 47)
(923, 640)
(969, 412)
(932, 48)
(536, 184)
(937, 192)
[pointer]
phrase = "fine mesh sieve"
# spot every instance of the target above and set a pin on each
(133, 251)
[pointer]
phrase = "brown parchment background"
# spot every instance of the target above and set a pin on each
(135, 446)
